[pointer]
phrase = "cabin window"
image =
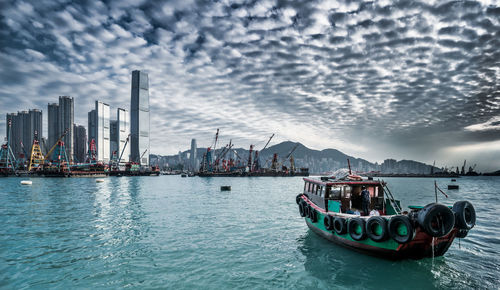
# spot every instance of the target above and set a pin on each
(314, 189)
(305, 186)
(335, 192)
(320, 191)
(346, 193)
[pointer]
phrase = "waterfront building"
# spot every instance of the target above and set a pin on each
(113, 139)
(99, 130)
(13, 135)
(139, 118)
(123, 132)
(193, 164)
(65, 122)
(80, 143)
(53, 124)
(24, 124)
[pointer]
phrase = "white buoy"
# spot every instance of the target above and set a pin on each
(26, 182)
(99, 180)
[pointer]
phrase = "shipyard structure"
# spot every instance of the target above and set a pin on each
(112, 147)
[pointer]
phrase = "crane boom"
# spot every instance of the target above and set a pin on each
(267, 142)
(123, 150)
(54, 146)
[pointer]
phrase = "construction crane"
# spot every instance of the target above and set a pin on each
(256, 163)
(142, 155)
(267, 143)
(123, 150)
(36, 157)
(289, 154)
(55, 145)
(7, 157)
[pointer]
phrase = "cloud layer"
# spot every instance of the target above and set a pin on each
(374, 79)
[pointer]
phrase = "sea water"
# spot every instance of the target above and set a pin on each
(173, 232)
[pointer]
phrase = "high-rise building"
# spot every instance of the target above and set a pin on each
(80, 143)
(99, 125)
(65, 123)
(24, 125)
(139, 118)
(113, 139)
(53, 124)
(123, 132)
(35, 127)
(192, 156)
(13, 134)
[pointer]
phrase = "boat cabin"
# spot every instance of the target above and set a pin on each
(345, 195)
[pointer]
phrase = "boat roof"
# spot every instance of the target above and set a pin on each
(344, 182)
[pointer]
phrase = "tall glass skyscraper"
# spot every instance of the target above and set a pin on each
(193, 161)
(139, 118)
(53, 124)
(99, 130)
(80, 143)
(65, 122)
(123, 130)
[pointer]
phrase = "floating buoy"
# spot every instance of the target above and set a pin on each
(225, 188)
(99, 180)
(26, 182)
(452, 186)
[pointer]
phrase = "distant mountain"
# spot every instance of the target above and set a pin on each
(317, 161)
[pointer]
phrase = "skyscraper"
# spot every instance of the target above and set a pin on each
(24, 124)
(139, 117)
(35, 126)
(123, 131)
(80, 143)
(53, 124)
(113, 139)
(65, 122)
(99, 125)
(192, 156)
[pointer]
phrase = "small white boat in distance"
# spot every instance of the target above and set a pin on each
(26, 182)
(99, 180)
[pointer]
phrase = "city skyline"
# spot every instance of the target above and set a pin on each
(416, 81)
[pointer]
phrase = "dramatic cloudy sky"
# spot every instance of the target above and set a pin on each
(375, 79)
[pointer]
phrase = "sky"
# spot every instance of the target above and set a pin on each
(375, 79)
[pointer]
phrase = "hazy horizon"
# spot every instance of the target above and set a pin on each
(405, 80)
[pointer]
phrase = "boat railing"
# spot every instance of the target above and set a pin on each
(391, 199)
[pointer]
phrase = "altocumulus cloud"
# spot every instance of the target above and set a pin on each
(416, 79)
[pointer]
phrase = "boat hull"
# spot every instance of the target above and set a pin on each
(420, 247)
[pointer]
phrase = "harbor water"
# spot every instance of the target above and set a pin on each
(185, 233)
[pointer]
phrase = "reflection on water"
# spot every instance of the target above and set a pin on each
(148, 232)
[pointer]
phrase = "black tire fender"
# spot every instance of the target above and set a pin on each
(299, 198)
(354, 224)
(328, 222)
(465, 215)
(436, 219)
(374, 225)
(339, 225)
(401, 235)
(306, 210)
(302, 209)
(313, 215)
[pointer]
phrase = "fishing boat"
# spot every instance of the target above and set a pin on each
(330, 208)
